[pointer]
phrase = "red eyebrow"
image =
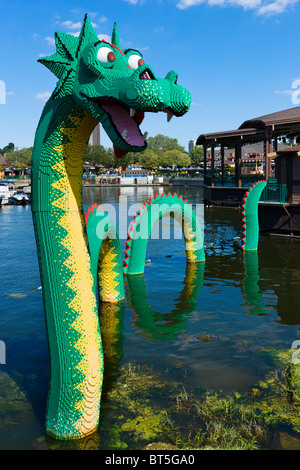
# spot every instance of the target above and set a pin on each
(116, 47)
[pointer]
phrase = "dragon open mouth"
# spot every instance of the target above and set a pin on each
(147, 75)
(125, 120)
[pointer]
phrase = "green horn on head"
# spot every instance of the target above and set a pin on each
(115, 40)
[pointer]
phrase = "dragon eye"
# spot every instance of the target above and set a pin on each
(135, 61)
(106, 56)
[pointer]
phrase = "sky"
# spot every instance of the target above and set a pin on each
(238, 58)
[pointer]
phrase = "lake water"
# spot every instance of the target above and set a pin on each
(203, 325)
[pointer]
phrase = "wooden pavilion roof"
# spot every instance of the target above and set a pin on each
(294, 149)
(228, 138)
(281, 123)
(287, 116)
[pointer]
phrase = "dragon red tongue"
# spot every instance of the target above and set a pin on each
(126, 126)
(118, 152)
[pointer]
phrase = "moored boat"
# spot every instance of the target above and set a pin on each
(19, 198)
(6, 192)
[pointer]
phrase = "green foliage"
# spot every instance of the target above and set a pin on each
(151, 409)
(161, 151)
(162, 143)
(8, 148)
(98, 155)
(20, 156)
(197, 154)
(149, 159)
(174, 157)
(128, 159)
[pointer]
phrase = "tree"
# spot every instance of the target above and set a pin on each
(23, 155)
(197, 154)
(8, 148)
(99, 155)
(148, 159)
(176, 157)
(162, 143)
(128, 159)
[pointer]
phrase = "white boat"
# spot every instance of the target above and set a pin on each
(6, 192)
(136, 176)
(19, 198)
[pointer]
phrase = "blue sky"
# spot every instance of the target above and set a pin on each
(238, 58)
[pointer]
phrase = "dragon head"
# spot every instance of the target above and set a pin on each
(115, 86)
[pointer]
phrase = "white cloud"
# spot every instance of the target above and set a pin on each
(106, 37)
(45, 95)
(132, 2)
(216, 2)
(145, 48)
(50, 40)
(275, 7)
(261, 7)
(103, 19)
(284, 92)
(188, 3)
(92, 14)
(71, 25)
(247, 4)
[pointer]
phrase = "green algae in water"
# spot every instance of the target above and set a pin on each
(16, 414)
(143, 410)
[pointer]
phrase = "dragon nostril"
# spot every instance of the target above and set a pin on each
(146, 75)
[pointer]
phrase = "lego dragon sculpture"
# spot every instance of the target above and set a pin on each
(97, 82)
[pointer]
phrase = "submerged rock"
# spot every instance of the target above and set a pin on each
(288, 442)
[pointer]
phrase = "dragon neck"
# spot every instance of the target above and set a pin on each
(58, 157)
(69, 291)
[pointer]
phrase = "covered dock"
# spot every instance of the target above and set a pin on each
(273, 130)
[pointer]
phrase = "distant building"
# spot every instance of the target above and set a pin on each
(3, 166)
(8, 170)
(95, 136)
(191, 145)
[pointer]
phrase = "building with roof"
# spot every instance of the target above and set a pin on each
(3, 165)
(269, 132)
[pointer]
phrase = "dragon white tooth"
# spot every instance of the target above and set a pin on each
(124, 134)
(132, 112)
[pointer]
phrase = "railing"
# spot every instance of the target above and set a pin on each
(274, 192)
(12, 178)
(230, 180)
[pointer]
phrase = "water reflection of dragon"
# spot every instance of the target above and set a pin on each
(97, 82)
